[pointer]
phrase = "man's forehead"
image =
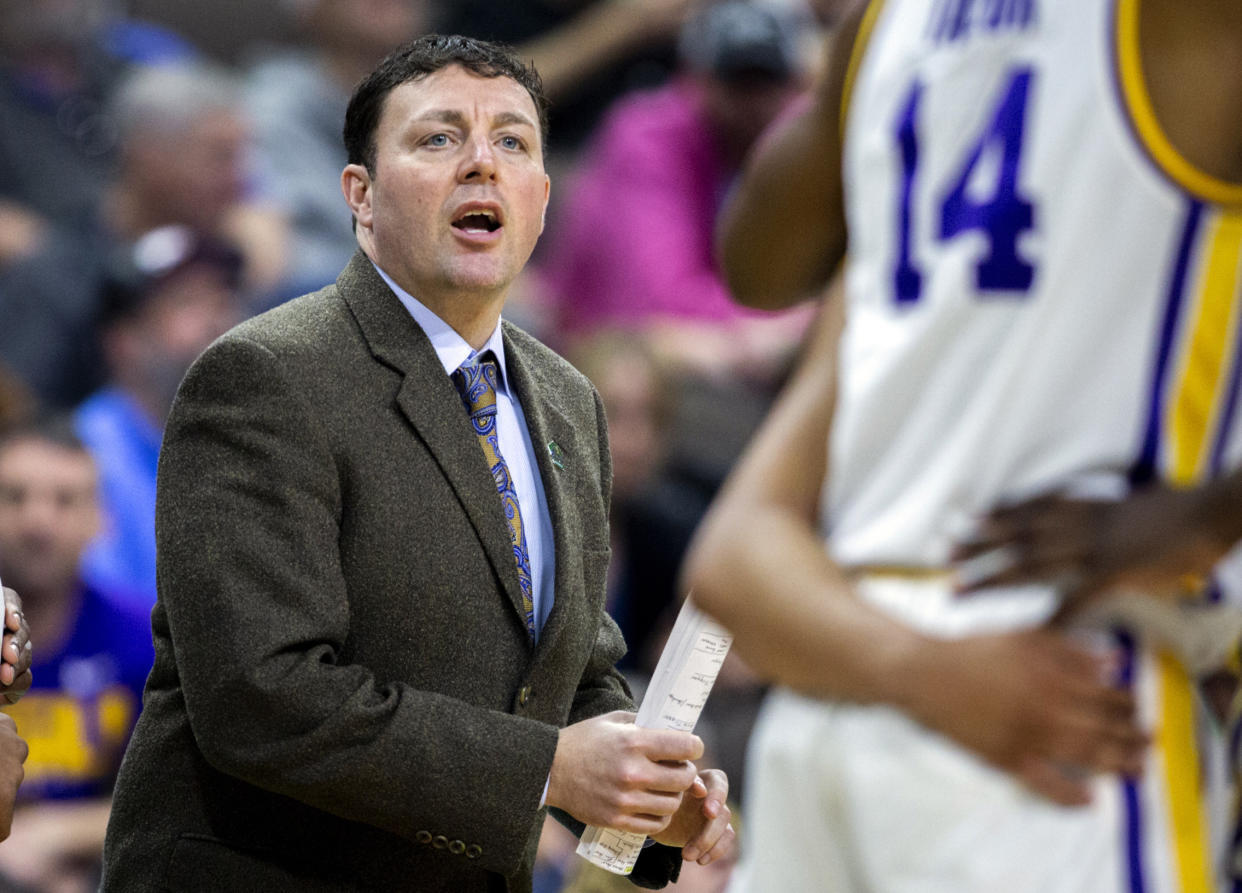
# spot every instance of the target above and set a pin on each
(454, 90)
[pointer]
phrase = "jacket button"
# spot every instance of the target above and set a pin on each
(523, 695)
(423, 837)
(439, 842)
(456, 847)
(474, 851)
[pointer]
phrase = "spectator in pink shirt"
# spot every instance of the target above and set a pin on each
(631, 245)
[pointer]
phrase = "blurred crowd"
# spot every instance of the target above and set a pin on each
(170, 168)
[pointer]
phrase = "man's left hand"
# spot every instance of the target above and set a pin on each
(15, 651)
(701, 824)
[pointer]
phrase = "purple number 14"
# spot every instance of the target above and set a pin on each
(1002, 218)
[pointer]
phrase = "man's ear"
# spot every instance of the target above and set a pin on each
(356, 187)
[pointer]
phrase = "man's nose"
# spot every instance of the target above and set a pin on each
(480, 162)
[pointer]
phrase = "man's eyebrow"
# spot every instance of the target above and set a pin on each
(515, 118)
(448, 116)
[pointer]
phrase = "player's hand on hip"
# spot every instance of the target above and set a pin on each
(701, 825)
(16, 650)
(1151, 540)
(610, 773)
(1033, 703)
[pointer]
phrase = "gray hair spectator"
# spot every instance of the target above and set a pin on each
(181, 161)
(181, 138)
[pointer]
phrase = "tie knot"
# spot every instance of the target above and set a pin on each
(476, 380)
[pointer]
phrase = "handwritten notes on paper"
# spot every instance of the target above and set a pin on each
(683, 679)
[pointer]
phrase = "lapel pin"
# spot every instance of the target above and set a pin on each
(558, 455)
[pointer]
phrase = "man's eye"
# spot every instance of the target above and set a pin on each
(437, 139)
(511, 142)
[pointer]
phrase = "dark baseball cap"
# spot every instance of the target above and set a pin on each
(141, 267)
(740, 40)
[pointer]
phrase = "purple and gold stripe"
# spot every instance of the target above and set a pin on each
(1208, 357)
(1174, 776)
(1193, 396)
(1131, 801)
(1145, 469)
(1192, 406)
(1177, 750)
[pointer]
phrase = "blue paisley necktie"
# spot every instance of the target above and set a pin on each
(476, 381)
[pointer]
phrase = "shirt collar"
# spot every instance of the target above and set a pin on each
(451, 349)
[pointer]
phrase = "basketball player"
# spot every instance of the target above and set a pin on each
(1042, 295)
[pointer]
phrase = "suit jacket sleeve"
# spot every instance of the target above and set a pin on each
(248, 519)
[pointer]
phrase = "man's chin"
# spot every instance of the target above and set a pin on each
(481, 278)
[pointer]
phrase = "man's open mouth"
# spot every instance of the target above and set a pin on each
(481, 221)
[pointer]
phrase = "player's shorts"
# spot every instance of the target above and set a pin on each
(845, 798)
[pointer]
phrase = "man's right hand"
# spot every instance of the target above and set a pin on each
(1032, 703)
(610, 773)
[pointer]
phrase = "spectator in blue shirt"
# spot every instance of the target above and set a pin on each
(167, 297)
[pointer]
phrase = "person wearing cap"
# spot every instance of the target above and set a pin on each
(381, 644)
(165, 297)
(630, 249)
(631, 244)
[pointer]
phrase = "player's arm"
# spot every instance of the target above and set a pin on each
(1027, 701)
(782, 231)
(759, 565)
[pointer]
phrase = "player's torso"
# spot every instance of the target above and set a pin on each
(1037, 291)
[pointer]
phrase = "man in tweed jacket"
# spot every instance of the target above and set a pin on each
(348, 693)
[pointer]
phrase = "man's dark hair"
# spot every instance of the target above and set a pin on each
(418, 59)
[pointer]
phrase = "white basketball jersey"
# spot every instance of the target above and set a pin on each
(1039, 287)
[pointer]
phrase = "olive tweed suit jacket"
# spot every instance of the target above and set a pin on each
(344, 694)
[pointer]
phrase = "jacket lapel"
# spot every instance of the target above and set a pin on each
(433, 407)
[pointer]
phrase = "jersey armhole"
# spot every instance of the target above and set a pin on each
(1138, 110)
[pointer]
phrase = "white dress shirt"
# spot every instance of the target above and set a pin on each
(515, 445)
